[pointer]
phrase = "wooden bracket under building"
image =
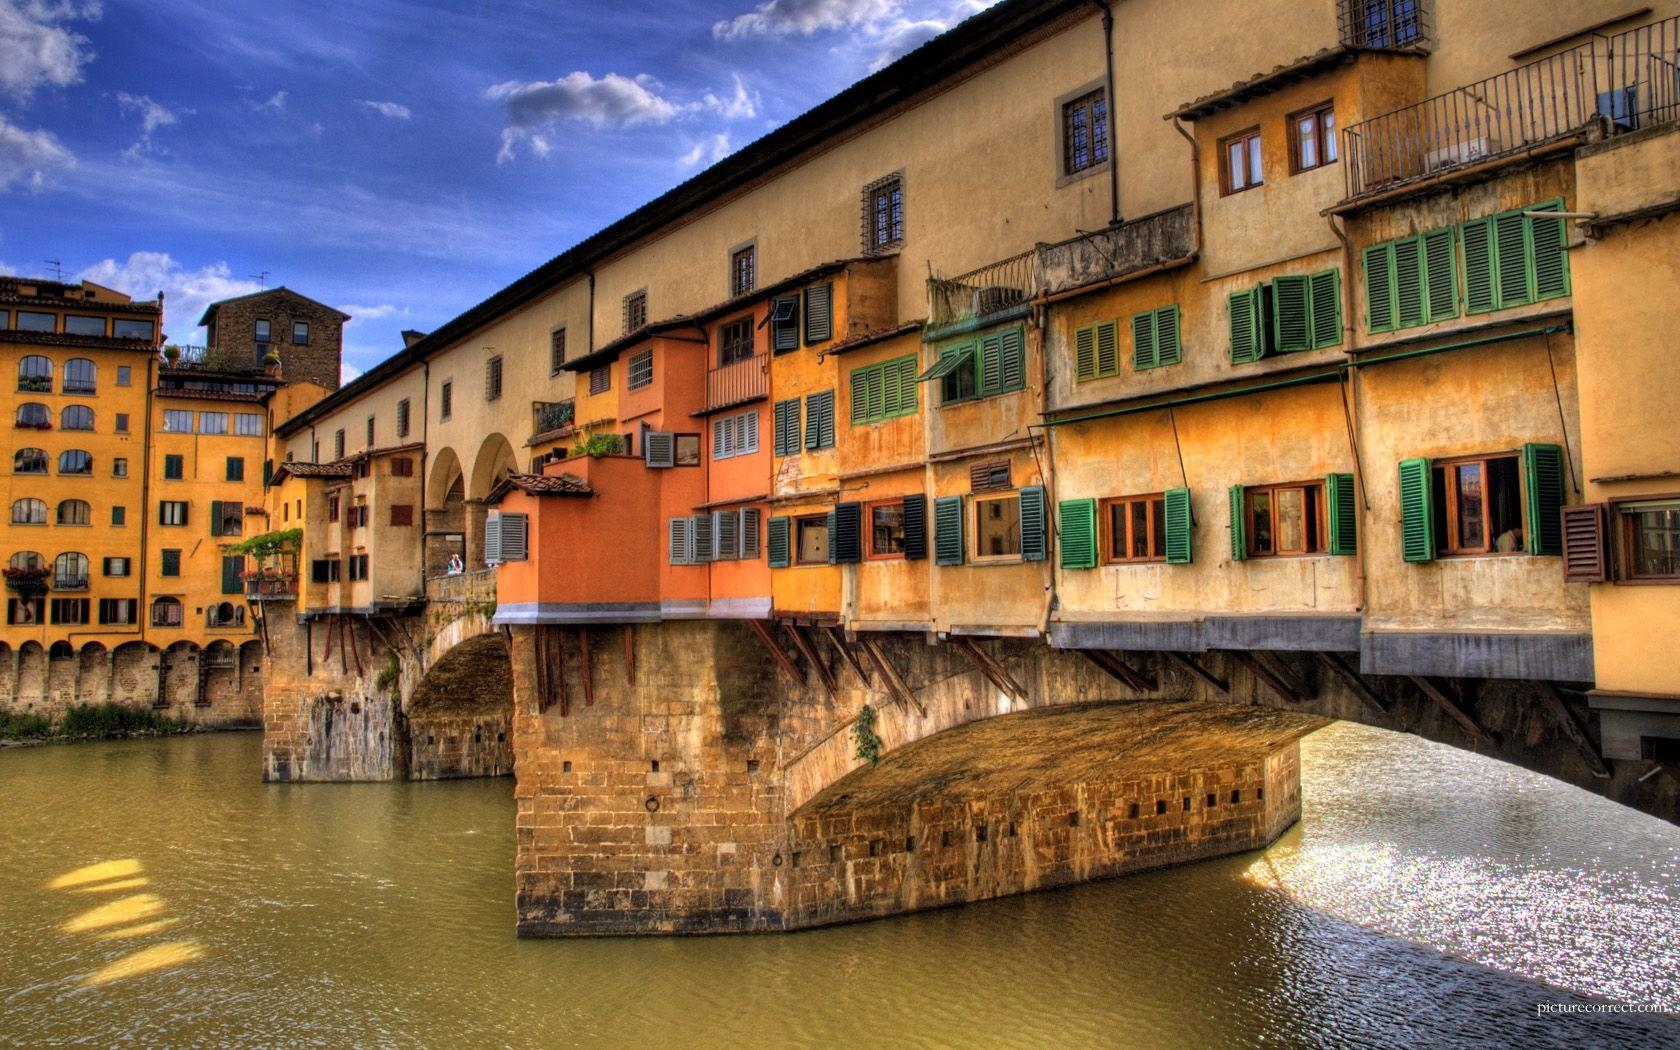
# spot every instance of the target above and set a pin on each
(550, 654)
(1278, 681)
(988, 665)
(630, 654)
(1442, 694)
(1355, 681)
(588, 675)
(776, 652)
(806, 649)
(1189, 663)
(1572, 729)
(895, 683)
(851, 661)
(1119, 670)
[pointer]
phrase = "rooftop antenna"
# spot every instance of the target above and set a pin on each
(260, 278)
(57, 269)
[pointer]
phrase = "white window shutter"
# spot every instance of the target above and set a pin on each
(746, 438)
(681, 540)
(659, 448)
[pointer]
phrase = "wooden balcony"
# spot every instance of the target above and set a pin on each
(738, 382)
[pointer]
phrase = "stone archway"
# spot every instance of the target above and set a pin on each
(495, 461)
(446, 511)
(460, 713)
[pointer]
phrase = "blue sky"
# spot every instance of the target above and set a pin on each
(398, 160)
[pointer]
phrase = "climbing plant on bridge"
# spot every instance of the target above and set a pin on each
(863, 731)
(269, 544)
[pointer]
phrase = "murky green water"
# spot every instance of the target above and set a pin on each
(1428, 897)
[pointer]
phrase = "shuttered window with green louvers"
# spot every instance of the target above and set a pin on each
(948, 530)
(915, 527)
(1250, 328)
(1417, 515)
(1155, 338)
(1343, 514)
(845, 534)
(1179, 523)
(1306, 311)
(784, 324)
(1035, 540)
(779, 544)
(1543, 470)
(1512, 259)
(1239, 523)
(819, 421)
(1412, 281)
(819, 314)
(884, 391)
(1096, 350)
(786, 426)
(1076, 533)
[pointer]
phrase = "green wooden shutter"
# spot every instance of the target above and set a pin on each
(1239, 523)
(784, 334)
(1476, 237)
(819, 409)
(948, 530)
(1408, 282)
(1247, 344)
(1179, 526)
(1543, 492)
(907, 385)
(1076, 528)
(1169, 346)
(1145, 353)
(915, 527)
(1013, 356)
(1511, 259)
(215, 517)
(819, 313)
(1034, 540)
(1343, 514)
(1085, 352)
(860, 396)
(1440, 272)
(232, 566)
(1551, 258)
(991, 365)
(1291, 314)
(1379, 288)
(786, 429)
(1324, 308)
(1108, 348)
(1417, 512)
(779, 544)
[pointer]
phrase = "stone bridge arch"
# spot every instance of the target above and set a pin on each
(446, 511)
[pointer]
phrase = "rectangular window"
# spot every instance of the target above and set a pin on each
(370, 431)
(174, 468)
(991, 365)
(688, 450)
(172, 512)
(232, 566)
(735, 341)
(1650, 539)
(125, 375)
(212, 422)
(177, 421)
(884, 391)
(493, 379)
(886, 529)
(883, 214)
(556, 351)
(1312, 138)
(227, 519)
(115, 567)
(811, 540)
(338, 444)
(600, 379)
(358, 566)
(784, 324)
(1135, 528)
(638, 371)
(1085, 132)
(997, 528)
(735, 435)
(1239, 162)
(69, 610)
(332, 508)
(446, 399)
(122, 422)
(31, 321)
(77, 325)
(402, 514)
(1096, 351)
(743, 271)
(1382, 23)
(300, 333)
(25, 610)
(1286, 520)
(324, 570)
(248, 424)
(119, 515)
(262, 331)
(635, 311)
(958, 372)
(1411, 281)
(140, 331)
(119, 468)
(402, 418)
(1478, 506)
(170, 563)
(117, 611)
(402, 467)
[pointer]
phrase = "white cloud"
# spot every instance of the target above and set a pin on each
(804, 17)
(276, 102)
(370, 313)
(30, 158)
(901, 36)
(36, 47)
(739, 106)
(152, 116)
(710, 151)
(347, 372)
(186, 292)
(533, 108)
(393, 110)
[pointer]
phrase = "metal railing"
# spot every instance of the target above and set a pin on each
(738, 381)
(552, 415)
(991, 289)
(1617, 82)
(271, 587)
(1396, 25)
(210, 359)
(70, 582)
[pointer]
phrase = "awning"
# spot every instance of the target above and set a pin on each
(948, 362)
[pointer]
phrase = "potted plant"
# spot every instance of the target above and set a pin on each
(27, 584)
(172, 353)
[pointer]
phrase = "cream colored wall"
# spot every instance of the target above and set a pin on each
(381, 403)
(1473, 40)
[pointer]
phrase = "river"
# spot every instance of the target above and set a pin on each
(155, 891)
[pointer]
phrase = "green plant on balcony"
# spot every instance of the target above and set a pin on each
(35, 385)
(172, 353)
(269, 544)
(598, 445)
(27, 584)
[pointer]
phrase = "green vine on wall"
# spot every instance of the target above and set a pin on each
(269, 544)
(863, 731)
(598, 445)
(386, 679)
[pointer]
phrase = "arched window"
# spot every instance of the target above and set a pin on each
(80, 376)
(35, 374)
(226, 614)
(74, 512)
(29, 512)
(70, 572)
(76, 417)
(75, 461)
(27, 560)
(32, 415)
(166, 612)
(29, 461)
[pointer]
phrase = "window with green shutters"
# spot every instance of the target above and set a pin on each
(819, 314)
(232, 566)
(1239, 515)
(1250, 327)
(1003, 365)
(1412, 281)
(948, 530)
(845, 534)
(1155, 338)
(1498, 503)
(779, 544)
(786, 416)
(1179, 522)
(1096, 350)
(1417, 516)
(784, 324)
(1076, 531)
(882, 391)
(1294, 312)
(1035, 540)
(819, 421)
(1511, 259)
(1543, 470)
(1343, 513)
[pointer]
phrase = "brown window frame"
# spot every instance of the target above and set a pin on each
(1155, 526)
(869, 509)
(1227, 186)
(978, 500)
(635, 311)
(1096, 131)
(882, 190)
(557, 351)
(1447, 545)
(799, 524)
(1315, 527)
(600, 379)
(1622, 535)
(734, 337)
(1324, 133)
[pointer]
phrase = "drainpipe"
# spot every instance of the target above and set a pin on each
(1195, 188)
(1350, 395)
(1113, 133)
(152, 378)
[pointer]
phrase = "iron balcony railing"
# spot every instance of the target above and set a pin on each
(991, 289)
(271, 587)
(739, 381)
(1617, 82)
(1396, 25)
(70, 581)
(552, 415)
(211, 359)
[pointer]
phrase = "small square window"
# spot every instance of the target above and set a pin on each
(883, 214)
(635, 311)
(811, 539)
(1239, 162)
(236, 468)
(122, 422)
(1135, 529)
(1286, 520)
(743, 270)
(997, 528)
(1650, 539)
(119, 468)
(262, 332)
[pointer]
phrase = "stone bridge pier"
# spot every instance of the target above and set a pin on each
(701, 777)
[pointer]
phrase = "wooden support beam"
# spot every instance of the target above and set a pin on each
(1572, 729)
(1279, 682)
(557, 639)
(588, 675)
(782, 659)
(1189, 663)
(1441, 693)
(806, 649)
(851, 661)
(630, 653)
(1355, 681)
(896, 685)
(995, 672)
(1118, 669)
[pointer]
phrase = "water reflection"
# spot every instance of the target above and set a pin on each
(1428, 897)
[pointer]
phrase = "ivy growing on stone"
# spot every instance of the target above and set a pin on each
(863, 732)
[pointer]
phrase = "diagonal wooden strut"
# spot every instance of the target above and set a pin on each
(895, 683)
(846, 654)
(1280, 682)
(1572, 729)
(988, 665)
(1442, 695)
(588, 672)
(1189, 663)
(809, 651)
(776, 652)
(1119, 670)
(1355, 681)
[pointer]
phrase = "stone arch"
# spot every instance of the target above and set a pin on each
(134, 673)
(495, 461)
(62, 670)
(218, 676)
(250, 679)
(460, 712)
(93, 674)
(31, 675)
(177, 676)
(446, 511)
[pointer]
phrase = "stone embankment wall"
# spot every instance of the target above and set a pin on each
(217, 686)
